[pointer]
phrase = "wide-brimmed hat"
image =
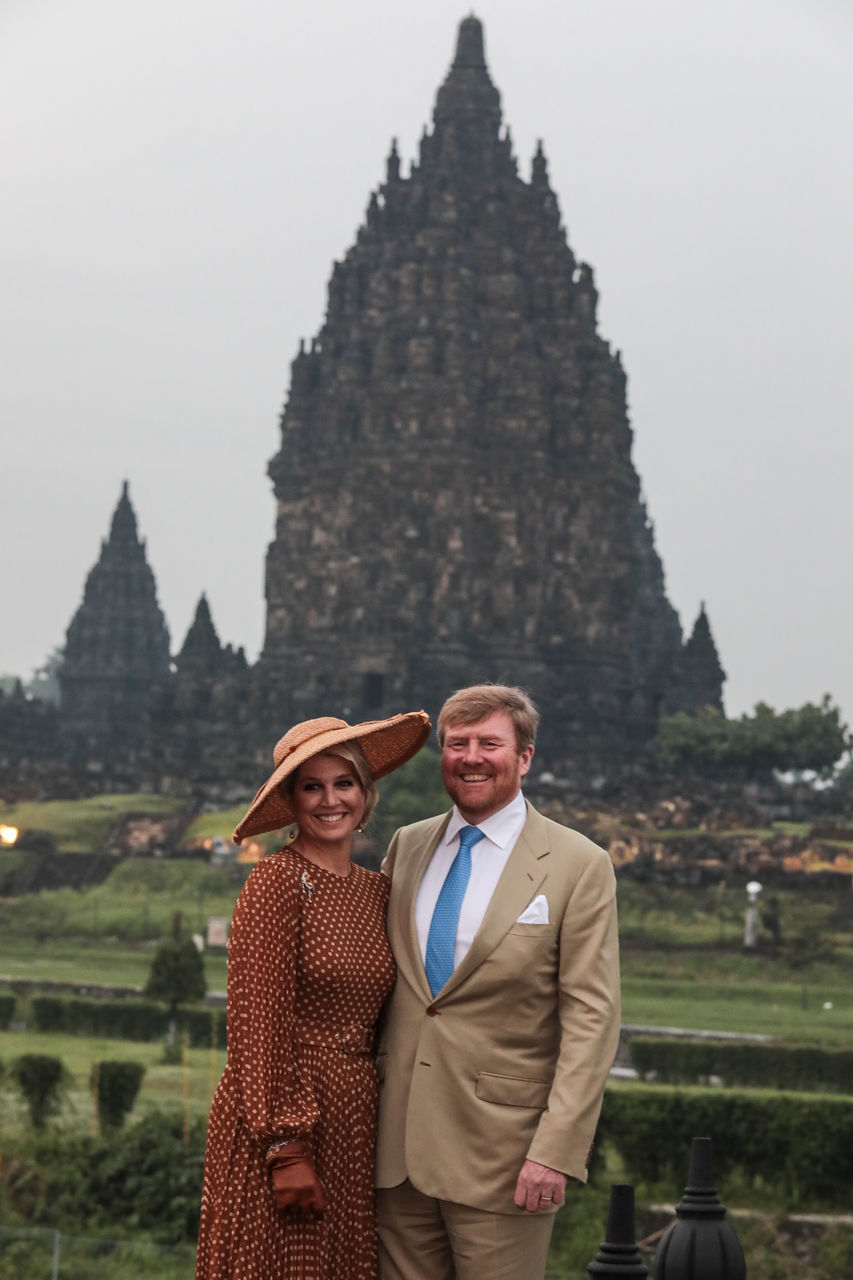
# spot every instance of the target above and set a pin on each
(386, 743)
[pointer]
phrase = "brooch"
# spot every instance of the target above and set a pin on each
(307, 885)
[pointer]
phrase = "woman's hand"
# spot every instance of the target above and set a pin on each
(295, 1186)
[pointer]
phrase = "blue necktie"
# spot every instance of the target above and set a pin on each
(441, 940)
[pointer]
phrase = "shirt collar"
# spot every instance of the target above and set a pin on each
(499, 827)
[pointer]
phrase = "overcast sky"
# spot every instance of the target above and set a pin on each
(178, 175)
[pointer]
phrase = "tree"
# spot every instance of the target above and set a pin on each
(413, 792)
(811, 737)
(177, 974)
(44, 683)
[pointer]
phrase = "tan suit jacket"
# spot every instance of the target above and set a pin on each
(509, 1061)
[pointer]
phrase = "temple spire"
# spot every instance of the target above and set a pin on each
(117, 644)
(467, 97)
(470, 45)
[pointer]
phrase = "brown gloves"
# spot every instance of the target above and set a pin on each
(295, 1186)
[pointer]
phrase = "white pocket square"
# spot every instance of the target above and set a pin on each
(536, 913)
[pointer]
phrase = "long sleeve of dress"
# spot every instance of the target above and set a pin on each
(277, 1103)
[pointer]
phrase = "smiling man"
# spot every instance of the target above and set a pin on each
(502, 1027)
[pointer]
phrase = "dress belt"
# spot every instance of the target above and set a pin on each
(353, 1038)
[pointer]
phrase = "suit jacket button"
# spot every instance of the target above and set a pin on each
(432, 1012)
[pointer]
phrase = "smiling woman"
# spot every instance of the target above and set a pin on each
(288, 1183)
(332, 796)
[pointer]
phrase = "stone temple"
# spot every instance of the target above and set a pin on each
(456, 499)
(456, 502)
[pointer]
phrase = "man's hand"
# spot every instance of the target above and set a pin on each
(538, 1187)
(295, 1186)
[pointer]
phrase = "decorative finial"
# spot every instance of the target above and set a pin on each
(699, 1233)
(618, 1255)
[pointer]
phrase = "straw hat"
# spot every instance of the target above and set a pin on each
(386, 743)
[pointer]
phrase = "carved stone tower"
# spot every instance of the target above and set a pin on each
(117, 644)
(456, 496)
(701, 674)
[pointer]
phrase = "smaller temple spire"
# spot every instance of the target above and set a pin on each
(392, 164)
(123, 530)
(117, 643)
(702, 674)
(201, 648)
(539, 168)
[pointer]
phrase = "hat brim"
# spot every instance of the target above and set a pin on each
(387, 744)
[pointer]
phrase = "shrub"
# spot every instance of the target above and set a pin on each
(799, 1145)
(124, 1019)
(116, 1085)
(40, 1079)
(114, 1019)
(769, 1066)
(144, 1177)
(7, 1011)
(49, 1013)
(204, 1027)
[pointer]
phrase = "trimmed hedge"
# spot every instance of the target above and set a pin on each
(41, 1080)
(116, 1085)
(124, 1019)
(7, 1011)
(801, 1146)
(743, 1063)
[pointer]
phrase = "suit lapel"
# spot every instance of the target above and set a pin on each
(526, 868)
(413, 868)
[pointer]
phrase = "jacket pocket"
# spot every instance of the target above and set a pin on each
(513, 1091)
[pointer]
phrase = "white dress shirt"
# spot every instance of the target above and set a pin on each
(488, 858)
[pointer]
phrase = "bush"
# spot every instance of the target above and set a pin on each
(204, 1027)
(124, 1019)
(116, 1085)
(40, 1079)
(114, 1019)
(7, 1011)
(140, 1178)
(769, 1066)
(800, 1146)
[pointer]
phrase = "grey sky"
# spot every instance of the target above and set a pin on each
(178, 175)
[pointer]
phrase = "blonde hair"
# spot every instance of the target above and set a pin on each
(479, 701)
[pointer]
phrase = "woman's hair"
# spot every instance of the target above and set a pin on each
(353, 754)
(477, 703)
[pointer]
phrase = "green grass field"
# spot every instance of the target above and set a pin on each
(682, 960)
(80, 826)
(109, 963)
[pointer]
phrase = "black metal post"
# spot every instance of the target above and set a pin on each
(700, 1245)
(618, 1255)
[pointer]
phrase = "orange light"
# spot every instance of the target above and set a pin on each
(8, 835)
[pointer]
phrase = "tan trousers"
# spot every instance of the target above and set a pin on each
(425, 1239)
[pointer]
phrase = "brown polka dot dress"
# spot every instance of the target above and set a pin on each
(308, 970)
